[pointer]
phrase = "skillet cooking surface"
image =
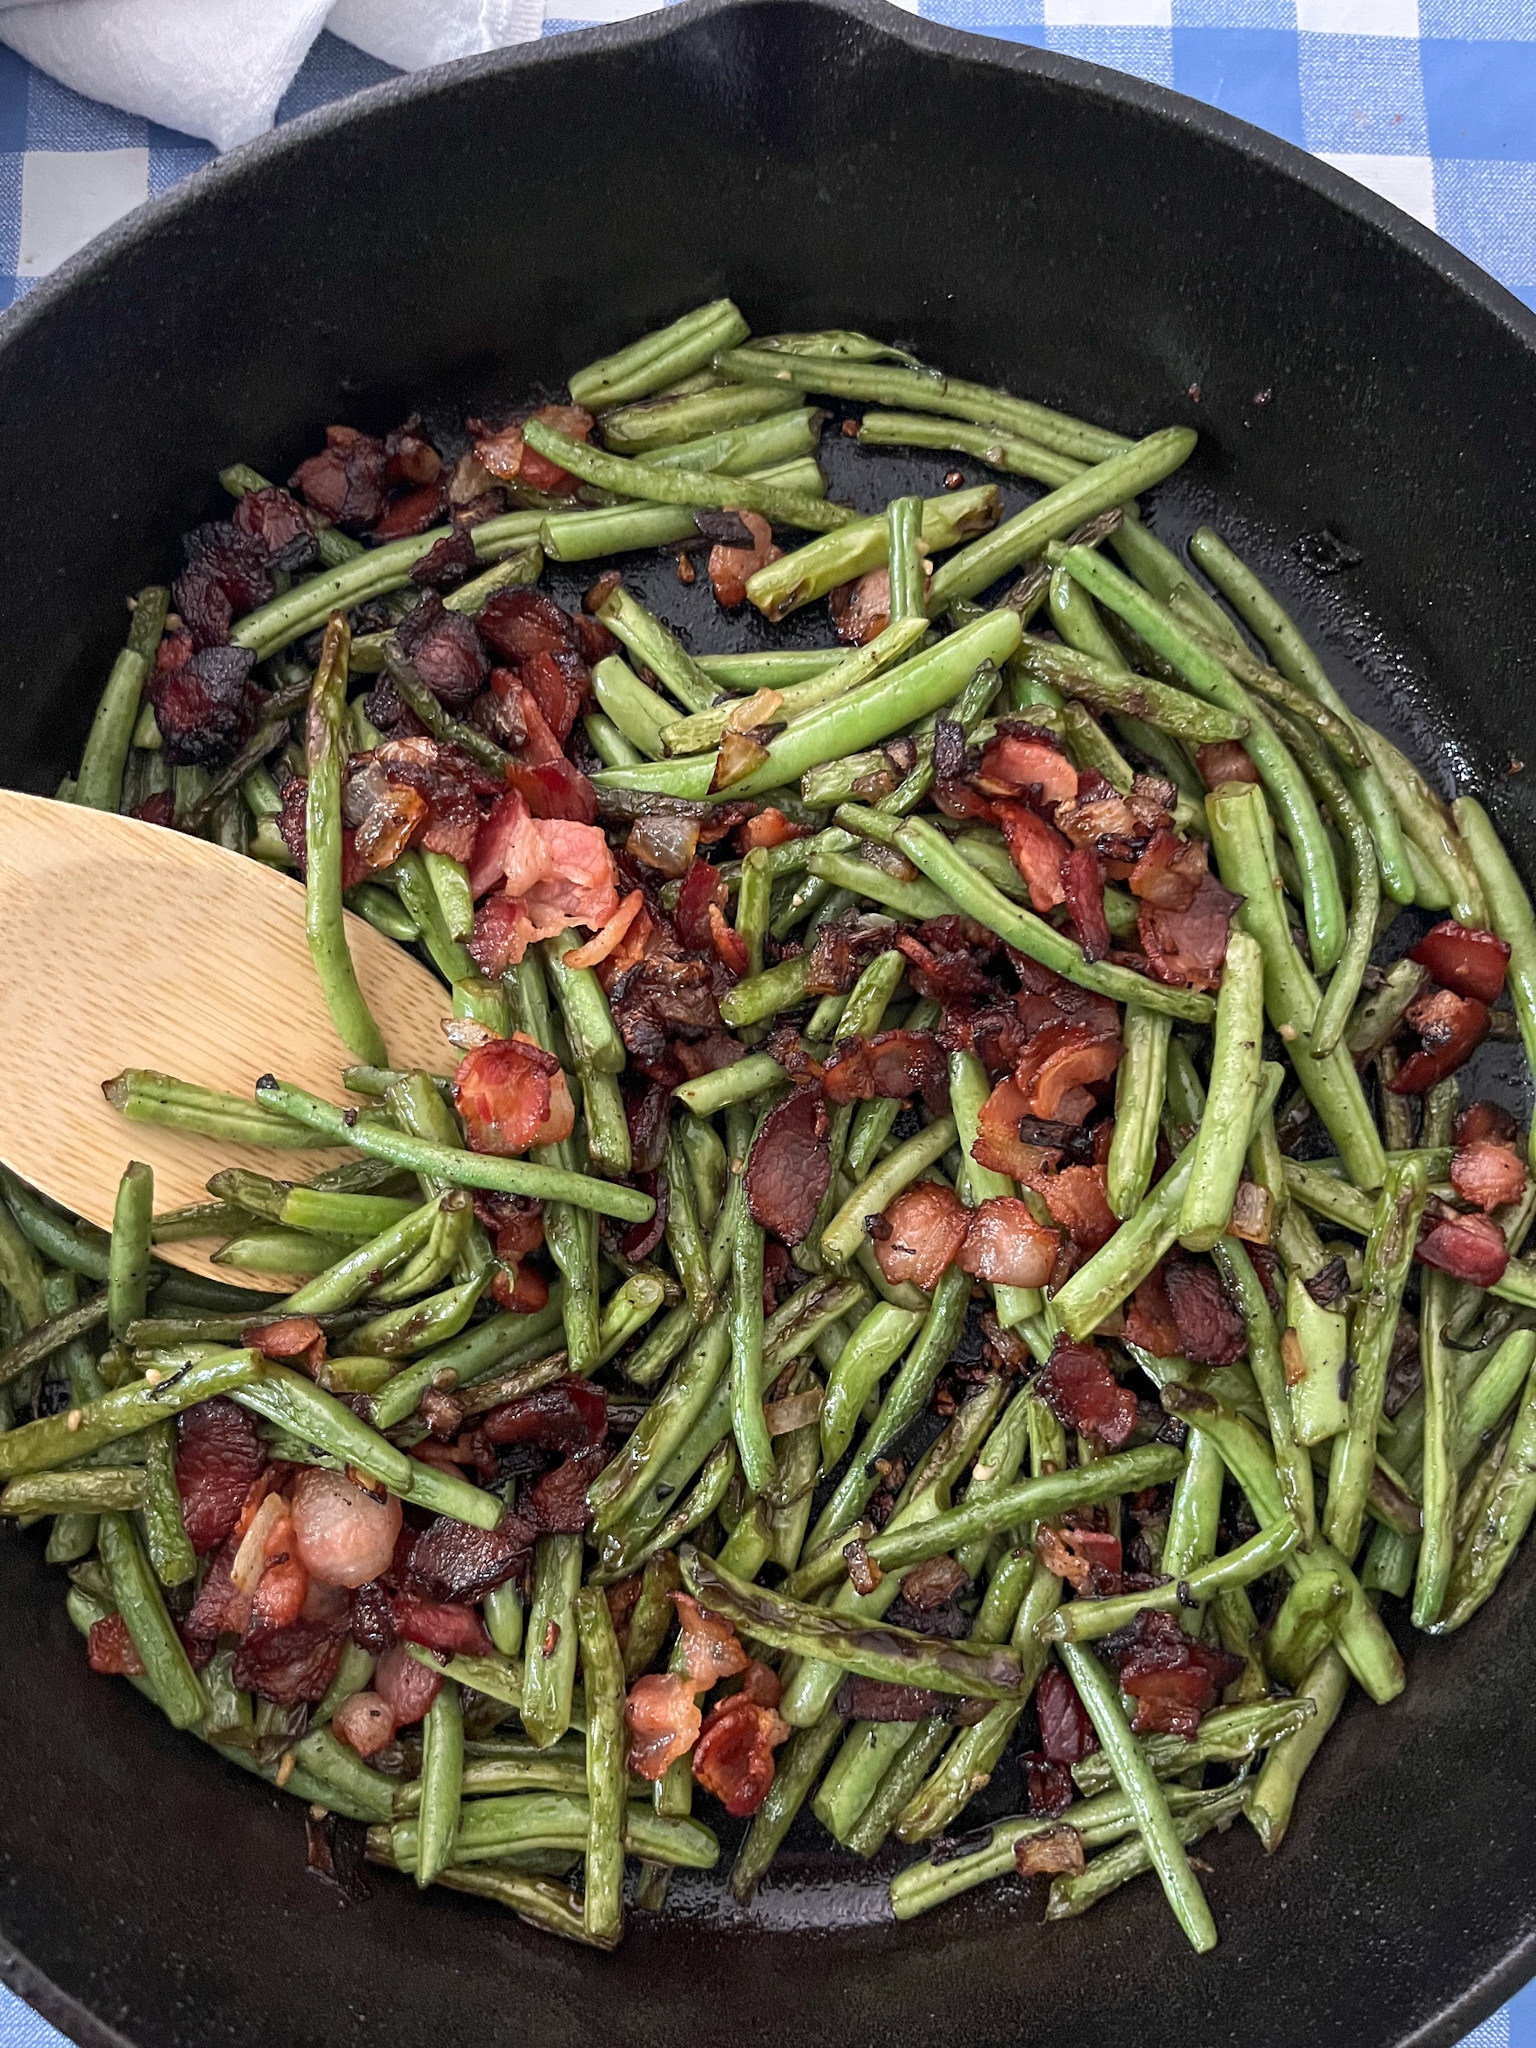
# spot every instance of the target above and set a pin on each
(1019, 218)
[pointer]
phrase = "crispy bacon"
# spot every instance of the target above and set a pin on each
(663, 1720)
(877, 1699)
(927, 1227)
(769, 828)
(558, 790)
(1024, 761)
(555, 873)
(1464, 959)
(567, 1415)
(279, 527)
(441, 1625)
(1173, 1677)
(890, 1064)
(507, 456)
(287, 1665)
(1187, 947)
(346, 480)
(512, 1094)
(1051, 1790)
(556, 1504)
(559, 685)
(444, 649)
(406, 1685)
(412, 512)
(1470, 1248)
(730, 567)
(1066, 1733)
(790, 1167)
(496, 941)
(942, 965)
(999, 1145)
(1083, 881)
(862, 609)
(1168, 873)
(205, 707)
(522, 622)
(447, 562)
(110, 1649)
(450, 1561)
(733, 1756)
(1060, 1063)
(1487, 1174)
(219, 1455)
(1006, 1246)
(1450, 1029)
(524, 1294)
(1088, 1559)
(226, 574)
(841, 952)
(1486, 1120)
(1037, 850)
(1211, 1329)
(1225, 761)
(703, 889)
(597, 949)
(710, 1648)
(365, 1722)
(1149, 1321)
(1082, 1392)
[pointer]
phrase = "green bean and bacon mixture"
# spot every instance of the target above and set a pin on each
(946, 1272)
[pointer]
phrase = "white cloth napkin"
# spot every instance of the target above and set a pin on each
(219, 67)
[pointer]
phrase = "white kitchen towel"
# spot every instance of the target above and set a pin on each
(219, 67)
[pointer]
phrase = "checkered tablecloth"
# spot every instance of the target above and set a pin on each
(1432, 103)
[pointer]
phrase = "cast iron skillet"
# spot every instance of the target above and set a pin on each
(1022, 218)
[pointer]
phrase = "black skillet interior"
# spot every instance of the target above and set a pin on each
(1020, 218)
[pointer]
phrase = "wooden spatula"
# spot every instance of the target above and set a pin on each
(124, 945)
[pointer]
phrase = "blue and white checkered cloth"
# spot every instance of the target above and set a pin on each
(1432, 103)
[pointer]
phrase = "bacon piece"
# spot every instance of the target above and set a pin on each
(365, 1722)
(110, 1649)
(558, 792)
(1083, 882)
(1168, 873)
(447, 562)
(729, 946)
(927, 1228)
(1066, 1733)
(1470, 1248)
(441, 1625)
(1024, 761)
(1037, 850)
(290, 1339)
(769, 828)
(1487, 1174)
(1051, 1790)
(524, 1294)
(841, 952)
(346, 480)
(862, 609)
(406, 1685)
(1051, 1852)
(1172, 1677)
(1099, 815)
(496, 941)
(1486, 1120)
(218, 1456)
(206, 707)
(559, 684)
(226, 574)
(659, 999)
(278, 526)
(710, 1648)
(1060, 1063)
(444, 649)
(1225, 761)
(1464, 959)
(703, 889)
(511, 1094)
(1150, 1321)
(1211, 1329)
(1078, 1200)
(522, 622)
(1082, 1392)
(1088, 1559)
(663, 1720)
(730, 567)
(281, 1596)
(507, 456)
(760, 1683)
(733, 1756)
(1187, 947)
(287, 1665)
(790, 1167)
(1450, 1029)
(1006, 1246)
(877, 1699)
(450, 1561)
(412, 513)
(556, 1504)
(999, 1146)
(707, 1055)
(568, 1415)
(944, 967)
(597, 949)
(889, 1064)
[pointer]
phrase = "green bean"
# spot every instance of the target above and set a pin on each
(972, 894)
(869, 1750)
(1108, 687)
(904, 555)
(84, 1493)
(326, 748)
(875, 1651)
(1498, 1524)
(353, 1274)
(417, 1325)
(1221, 1144)
(1274, 1791)
(292, 1253)
(165, 1533)
(1161, 1839)
(29, 1225)
(1139, 1084)
(685, 1241)
(746, 1324)
(811, 571)
(1194, 1516)
(99, 784)
(1283, 781)
(753, 898)
(1292, 1463)
(613, 529)
(840, 676)
(660, 358)
(799, 1764)
(1011, 453)
(662, 484)
(1073, 1893)
(1291, 655)
(610, 745)
(1299, 705)
(460, 1169)
(1086, 1620)
(442, 1774)
(296, 1404)
(490, 1829)
(142, 1607)
(499, 1678)
(764, 995)
(62, 1439)
(1429, 830)
(671, 422)
(1304, 1627)
(743, 1081)
(922, 391)
(451, 731)
(550, 1671)
(410, 877)
(844, 1234)
(1439, 1472)
(872, 1349)
(1229, 1735)
(1509, 907)
(1243, 840)
(52, 1335)
(607, 1780)
(912, 900)
(456, 907)
(593, 1036)
(638, 712)
(1388, 1256)
(659, 650)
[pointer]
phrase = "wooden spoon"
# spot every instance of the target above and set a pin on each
(124, 945)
